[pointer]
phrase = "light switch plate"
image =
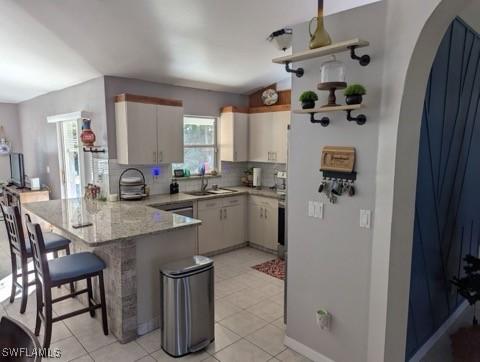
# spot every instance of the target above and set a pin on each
(311, 209)
(365, 218)
(318, 210)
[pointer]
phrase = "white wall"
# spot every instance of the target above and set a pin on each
(364, 280)
(329, 259)
(11, 126)
(39, 138)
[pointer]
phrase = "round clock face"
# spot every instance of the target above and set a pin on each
(269, 97)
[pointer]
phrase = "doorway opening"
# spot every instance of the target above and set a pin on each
(72, 173)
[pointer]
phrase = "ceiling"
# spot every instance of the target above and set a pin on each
(213, 44)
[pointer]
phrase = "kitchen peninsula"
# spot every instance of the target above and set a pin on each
(134, 240)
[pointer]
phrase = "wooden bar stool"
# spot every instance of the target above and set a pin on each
(20, 249)
(66, 269)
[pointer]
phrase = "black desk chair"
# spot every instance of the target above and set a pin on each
(20, 249)
(66, 269)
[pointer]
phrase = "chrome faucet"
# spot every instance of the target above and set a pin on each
(204, 181)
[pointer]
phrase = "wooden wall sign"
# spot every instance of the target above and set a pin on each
(338, 159)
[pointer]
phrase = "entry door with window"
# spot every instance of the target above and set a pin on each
(72, 175)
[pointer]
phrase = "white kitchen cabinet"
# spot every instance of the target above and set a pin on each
(149, 130)
(233, 135)
(169, 134)
(263, 222)
(223, 223)
(210, 230)
(268, 136)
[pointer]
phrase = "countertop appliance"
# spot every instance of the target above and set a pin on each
(282, 186)
(257, 177)
(184, 209)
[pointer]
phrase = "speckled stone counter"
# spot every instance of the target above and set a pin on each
(134, 240)
(111, 221)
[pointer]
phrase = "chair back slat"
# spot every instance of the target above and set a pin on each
(39, 253)
(13, 224)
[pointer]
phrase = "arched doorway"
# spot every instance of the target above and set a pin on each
(447, 224)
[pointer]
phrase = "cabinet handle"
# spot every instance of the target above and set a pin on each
(261, 212)
(269, 156)
(265, 213)
(221, 214)
(224, 213)
(154, 157)
(274, 156)
(160, 156)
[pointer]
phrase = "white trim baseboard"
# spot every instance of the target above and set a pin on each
(444, 328)
(306, 351)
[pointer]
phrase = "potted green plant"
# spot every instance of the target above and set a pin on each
(308, 99)
(354, 94)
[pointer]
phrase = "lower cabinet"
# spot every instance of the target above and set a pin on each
(263, 222)
(223, 223)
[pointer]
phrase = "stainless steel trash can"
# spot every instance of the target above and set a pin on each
(187, 305)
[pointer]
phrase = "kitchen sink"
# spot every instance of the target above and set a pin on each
(211, 192)
(198, 193)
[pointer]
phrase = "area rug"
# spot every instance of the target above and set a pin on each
(274, 268)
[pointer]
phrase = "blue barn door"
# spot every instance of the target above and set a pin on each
(447, 210)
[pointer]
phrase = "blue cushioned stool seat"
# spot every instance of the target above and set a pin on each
(75, 265)
(52, 242)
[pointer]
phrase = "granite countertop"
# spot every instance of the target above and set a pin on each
(123, 220)
(164, 199)
(111, 221)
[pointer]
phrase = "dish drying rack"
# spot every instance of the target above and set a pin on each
(123, 186)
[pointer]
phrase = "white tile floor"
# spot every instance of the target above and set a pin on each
(248, 315)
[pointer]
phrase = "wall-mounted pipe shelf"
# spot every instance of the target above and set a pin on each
(361, 119)
(94, 149)
(341, 47)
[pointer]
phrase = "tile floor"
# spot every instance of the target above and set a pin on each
(248, 315)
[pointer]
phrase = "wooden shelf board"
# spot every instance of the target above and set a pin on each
(335, 48)
(330, 109)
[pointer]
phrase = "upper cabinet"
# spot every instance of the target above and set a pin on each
(268, 136)
(234, 134)
(149, 130)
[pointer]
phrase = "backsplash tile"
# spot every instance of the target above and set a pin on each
(231, 172)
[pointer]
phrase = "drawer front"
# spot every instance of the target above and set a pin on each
(209, 204)
(263, 201)
(233, 201)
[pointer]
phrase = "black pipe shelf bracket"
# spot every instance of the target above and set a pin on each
(361, 119)
(299, 72)
(364, 60)
(94, 149)
(324, 121)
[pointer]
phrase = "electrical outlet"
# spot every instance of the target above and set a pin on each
(324, 318)
(365, 218)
